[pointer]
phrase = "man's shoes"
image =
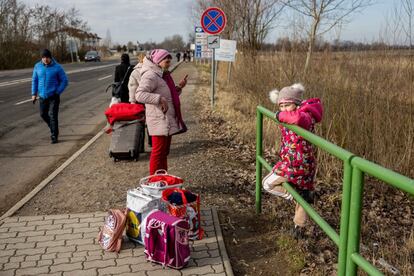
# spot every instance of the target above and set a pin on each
(54, 140)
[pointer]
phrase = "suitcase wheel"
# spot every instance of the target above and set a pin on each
(134, 155)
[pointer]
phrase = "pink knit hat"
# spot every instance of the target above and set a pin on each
(288, 94)
(159, 55)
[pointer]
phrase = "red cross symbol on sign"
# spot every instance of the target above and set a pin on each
(213, 20)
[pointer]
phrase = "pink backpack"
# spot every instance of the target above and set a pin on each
(166, 240)
(110, 236)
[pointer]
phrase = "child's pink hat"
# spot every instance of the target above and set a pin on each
(288, 94)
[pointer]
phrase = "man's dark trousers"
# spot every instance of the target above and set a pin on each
(49, 109)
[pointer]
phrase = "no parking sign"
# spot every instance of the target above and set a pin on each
(213, 21)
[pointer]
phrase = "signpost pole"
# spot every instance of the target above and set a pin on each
(228, 72)
(213, 78)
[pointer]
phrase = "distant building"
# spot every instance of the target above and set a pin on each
(83, 40)
(90, 40)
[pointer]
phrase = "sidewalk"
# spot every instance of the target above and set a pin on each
(67, 245)
(55, 232)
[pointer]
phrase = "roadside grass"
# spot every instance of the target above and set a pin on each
(288, 247)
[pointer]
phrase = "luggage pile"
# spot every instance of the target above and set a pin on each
(127, 125)
(160, 215)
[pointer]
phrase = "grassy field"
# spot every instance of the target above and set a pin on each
(368, 100)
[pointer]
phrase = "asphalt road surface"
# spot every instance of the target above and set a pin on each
(26, 154)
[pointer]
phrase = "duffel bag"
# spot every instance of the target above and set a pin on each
(125, 112)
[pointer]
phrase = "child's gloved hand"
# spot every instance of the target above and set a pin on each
(277, 115)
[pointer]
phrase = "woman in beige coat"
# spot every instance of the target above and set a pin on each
(162, 105)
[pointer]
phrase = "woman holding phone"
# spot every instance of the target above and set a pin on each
(161, 97)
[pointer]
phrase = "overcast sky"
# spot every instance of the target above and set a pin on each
(144, 20)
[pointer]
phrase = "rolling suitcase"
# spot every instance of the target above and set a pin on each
(127, 140)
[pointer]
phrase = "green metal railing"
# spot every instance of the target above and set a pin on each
(352, 193)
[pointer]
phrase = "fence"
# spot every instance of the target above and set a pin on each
(354, 167)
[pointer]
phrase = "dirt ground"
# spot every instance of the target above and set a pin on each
(222, 171)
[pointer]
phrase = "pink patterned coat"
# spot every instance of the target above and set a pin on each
(297, 156)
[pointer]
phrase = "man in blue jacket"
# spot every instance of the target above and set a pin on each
(48, 82)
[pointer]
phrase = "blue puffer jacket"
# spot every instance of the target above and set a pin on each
(48, 80)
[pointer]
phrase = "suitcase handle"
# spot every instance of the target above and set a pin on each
(148, 185)
(145, 180)
(161, 171)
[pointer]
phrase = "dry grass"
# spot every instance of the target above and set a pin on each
(368, 99)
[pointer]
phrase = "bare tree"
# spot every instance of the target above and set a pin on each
(25, 30)
(258, 19)
(15, 34)
(325, 15)
(176, 42)
(407, 6)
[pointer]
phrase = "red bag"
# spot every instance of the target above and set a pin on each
(125, 112)
(162, 175)
(188, 210)
(161, 180)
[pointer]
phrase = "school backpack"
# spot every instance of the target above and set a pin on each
(110, 236)
(166, 240)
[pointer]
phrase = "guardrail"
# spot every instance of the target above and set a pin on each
(354, 167)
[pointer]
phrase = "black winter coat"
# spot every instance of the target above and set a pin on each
(120, 71)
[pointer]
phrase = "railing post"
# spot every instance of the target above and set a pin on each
(343, 231)
(354, 230)
(259, 151)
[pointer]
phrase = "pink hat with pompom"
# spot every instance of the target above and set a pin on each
(288, 94)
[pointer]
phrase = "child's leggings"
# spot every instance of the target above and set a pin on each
(272, 183)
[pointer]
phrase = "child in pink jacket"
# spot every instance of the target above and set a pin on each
(297, 164)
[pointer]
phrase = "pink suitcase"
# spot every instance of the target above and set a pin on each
(166, 240)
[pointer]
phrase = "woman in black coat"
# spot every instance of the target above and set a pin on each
(120, 71)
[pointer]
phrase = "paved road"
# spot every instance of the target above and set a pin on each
(26, 155)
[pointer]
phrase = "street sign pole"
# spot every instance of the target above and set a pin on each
(228, 73)
(213, 21)
(213, 78)
(213, 42)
